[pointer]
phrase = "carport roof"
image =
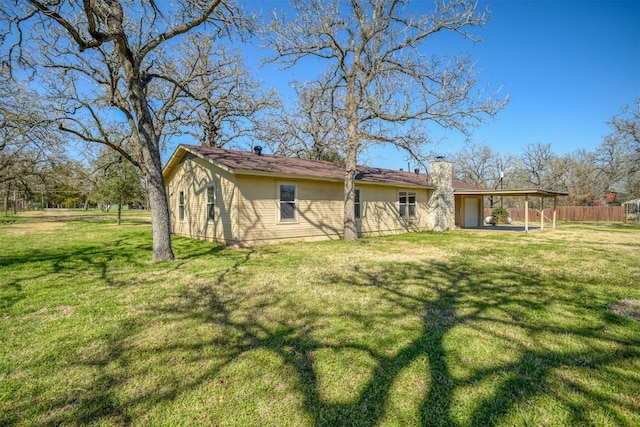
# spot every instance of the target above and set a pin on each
(522, 192)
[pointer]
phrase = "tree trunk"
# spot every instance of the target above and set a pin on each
(351, 161)
(156, 191)
(160, 220)
(152, 167)
(119, 210)
(151, 162)
(158, 202)
(350, 229)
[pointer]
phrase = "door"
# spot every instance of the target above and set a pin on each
(471, 212)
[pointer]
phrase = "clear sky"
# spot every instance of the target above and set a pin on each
(568, 67)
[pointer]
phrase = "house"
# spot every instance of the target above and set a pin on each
(247, 198)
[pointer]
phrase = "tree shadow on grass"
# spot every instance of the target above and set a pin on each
(65, 257)
(110, 355)
(187, 248)
(443, 298)
(37, 264)
(457, 296)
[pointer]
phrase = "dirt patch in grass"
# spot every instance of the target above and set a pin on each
(629, 308)
(51, 313)
(604, 236)
(402, 252)
(20, 229)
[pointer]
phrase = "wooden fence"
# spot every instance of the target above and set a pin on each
(571, 213)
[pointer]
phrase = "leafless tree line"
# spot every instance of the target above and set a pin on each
(587, 176)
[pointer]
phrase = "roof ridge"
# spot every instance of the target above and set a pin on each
(265, 155)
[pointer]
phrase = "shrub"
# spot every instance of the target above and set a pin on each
(499, 215)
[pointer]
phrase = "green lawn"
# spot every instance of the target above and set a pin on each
(462, 328)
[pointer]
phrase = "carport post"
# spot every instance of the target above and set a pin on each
(526, 213)
(555, 205)
(541, 213)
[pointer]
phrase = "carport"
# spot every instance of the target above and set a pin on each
(470, 205)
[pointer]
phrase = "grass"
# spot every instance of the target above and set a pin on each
(455, 329)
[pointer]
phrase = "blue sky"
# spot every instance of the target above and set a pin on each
(568, 67)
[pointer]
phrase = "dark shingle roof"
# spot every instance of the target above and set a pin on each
(248, 162)
(460, 185)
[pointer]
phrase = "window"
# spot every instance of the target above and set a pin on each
(357, 206)
(287, 202)
(211, 203)
(407, 204)
(181, 206)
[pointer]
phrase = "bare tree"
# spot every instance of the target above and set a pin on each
(478, 164)
(583, 181)
(613, 161)
(619, 153)
(626, 124)
(110, 56)
(62, 183)
(309, 130)
(381, 85)
(220, 102)
(540, 167)
(27, 140)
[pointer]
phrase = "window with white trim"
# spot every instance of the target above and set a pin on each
(287, 202)
(211, 204)
(407, 204)
(181, 206)
(357, 208)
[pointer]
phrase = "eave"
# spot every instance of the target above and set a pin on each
(516, 193)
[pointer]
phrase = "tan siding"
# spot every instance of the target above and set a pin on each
(256, 211)
(459, 213)
(380, 210)
(247, 209)
(319, 210)
(193, 176)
